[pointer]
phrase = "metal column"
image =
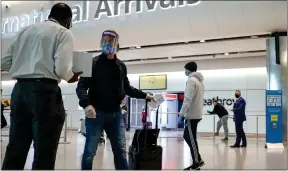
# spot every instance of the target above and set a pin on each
(277, 71)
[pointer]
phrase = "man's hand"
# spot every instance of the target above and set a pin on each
(75, 77)
(90, 112)
(149, 97)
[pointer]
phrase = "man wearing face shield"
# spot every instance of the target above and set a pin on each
(39, 57)
(107, 87)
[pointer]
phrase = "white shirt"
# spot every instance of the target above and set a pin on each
(41, 51)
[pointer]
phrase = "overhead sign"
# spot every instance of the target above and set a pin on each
(223, 101)
(273, 117)
(153, 82)
(81, 11)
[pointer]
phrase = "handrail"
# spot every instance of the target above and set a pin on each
(176, 113)
(214, 120)
(203, 114)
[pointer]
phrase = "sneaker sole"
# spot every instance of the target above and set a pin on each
(199, 167)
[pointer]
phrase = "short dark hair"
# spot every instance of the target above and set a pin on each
(60, 12)
(191, 66)
(214, 99)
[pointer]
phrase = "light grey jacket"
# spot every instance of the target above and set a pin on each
(192, 107)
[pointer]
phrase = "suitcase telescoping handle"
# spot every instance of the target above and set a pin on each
(145, 114)
(146, 110)
(157, 111)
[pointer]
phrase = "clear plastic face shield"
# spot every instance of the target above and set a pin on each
(109, 43)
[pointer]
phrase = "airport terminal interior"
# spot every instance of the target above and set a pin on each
(237, 45)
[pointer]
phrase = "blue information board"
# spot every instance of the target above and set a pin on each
(274, 116)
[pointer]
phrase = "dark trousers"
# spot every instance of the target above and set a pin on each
(3, 120)
(190, 136)
(240, 134)
(37, 113)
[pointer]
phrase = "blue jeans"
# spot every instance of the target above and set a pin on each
(112, 123)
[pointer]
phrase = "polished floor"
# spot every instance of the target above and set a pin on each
(176, 155)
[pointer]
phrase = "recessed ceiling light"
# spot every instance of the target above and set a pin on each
(226, 53)
(138, 47)
(202, 41)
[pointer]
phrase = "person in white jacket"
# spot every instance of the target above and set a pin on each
(192, 111)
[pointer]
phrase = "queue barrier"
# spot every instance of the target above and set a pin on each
(63, 133)
(214, 121)
(69, 114)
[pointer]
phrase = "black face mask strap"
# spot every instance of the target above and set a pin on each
(118, 47)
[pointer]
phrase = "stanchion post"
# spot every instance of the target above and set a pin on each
(65, 128)
(65, 131)
(214, 127)
(257, 131)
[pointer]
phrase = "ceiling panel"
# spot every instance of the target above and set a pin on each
(259, 16)
(203, 25)
(208, 20)
(230, 18)
(164, 27)
(195, 49)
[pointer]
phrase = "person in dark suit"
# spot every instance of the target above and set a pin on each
(239, 117)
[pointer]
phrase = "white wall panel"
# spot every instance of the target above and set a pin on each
(226, 83)
(255, 101)
(256, 81)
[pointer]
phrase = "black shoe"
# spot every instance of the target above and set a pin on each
(224, 139)
(243, 146)
(235, 146)
(188, 168)
(216, 134)
(196, 166)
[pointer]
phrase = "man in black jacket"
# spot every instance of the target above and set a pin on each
(220, 110)
(107, 87)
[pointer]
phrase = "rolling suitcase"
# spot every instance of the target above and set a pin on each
(144, 153)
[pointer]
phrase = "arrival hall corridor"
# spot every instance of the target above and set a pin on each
(176, 155)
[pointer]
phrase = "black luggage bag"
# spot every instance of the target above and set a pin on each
(144, 153)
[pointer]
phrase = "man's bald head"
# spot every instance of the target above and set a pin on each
(62, 13)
